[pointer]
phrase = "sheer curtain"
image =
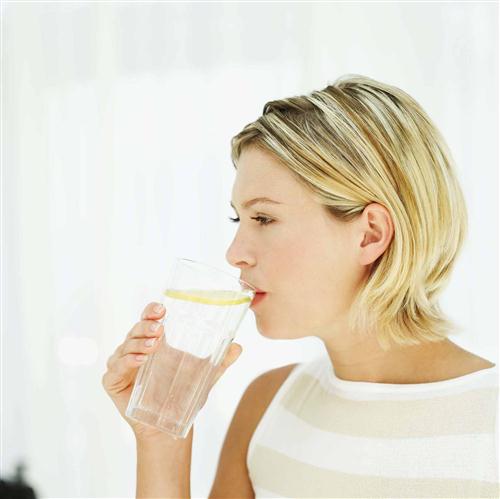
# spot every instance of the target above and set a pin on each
(115, 158)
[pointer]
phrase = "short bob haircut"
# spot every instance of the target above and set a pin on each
(359, 141)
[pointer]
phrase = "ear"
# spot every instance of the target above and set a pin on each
(376, 231)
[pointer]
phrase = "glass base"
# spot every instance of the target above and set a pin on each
(174, 429)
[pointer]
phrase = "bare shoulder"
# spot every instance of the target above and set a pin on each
(476, 363)
(473, 361)
(259, 394)
(462, 362)
(231, 479)
(267, 384)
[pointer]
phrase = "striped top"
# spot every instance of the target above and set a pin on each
(326, 437)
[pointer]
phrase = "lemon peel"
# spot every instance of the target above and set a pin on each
(209, 296)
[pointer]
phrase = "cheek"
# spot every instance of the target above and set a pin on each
(310, 276)
(316, 279)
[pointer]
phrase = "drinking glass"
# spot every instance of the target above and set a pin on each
(204, 308)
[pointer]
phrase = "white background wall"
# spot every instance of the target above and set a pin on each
(116, 121)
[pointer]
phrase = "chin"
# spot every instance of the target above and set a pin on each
(277, 332)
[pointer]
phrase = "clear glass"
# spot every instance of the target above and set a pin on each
(204, 308)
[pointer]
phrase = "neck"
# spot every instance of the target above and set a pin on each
(364, 360)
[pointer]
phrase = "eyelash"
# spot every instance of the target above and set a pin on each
(261, 220)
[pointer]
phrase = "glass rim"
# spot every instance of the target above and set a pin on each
(183, 259)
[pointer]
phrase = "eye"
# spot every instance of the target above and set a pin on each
(263, 220)
(260, 219)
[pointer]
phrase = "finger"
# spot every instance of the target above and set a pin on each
(143, 345)
(146, 328)
(140, 345)
(153, 311)
(232, 354)
(121, 372)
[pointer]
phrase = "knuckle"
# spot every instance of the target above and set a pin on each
(120, 368)
(130, 361)
(109, 363)
(136, 330)
(136, 347)
(126, 348)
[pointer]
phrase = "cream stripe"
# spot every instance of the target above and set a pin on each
(449, 456)
(434, 416)
(291, 478)
(260, 492)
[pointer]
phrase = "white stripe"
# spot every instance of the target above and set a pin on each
(465, 457)
(359, 390)
(270, 411)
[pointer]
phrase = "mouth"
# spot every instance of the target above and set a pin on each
(253, 288)
(259, 296)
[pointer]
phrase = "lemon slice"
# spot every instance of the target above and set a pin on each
(209, 296)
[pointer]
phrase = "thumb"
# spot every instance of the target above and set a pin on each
(232, 354)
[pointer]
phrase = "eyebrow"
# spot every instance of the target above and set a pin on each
(251, 202)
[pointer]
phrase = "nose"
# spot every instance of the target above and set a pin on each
(239, 254)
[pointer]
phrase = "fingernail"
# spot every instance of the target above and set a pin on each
(150, 342)
(154, 326)
(158, 308)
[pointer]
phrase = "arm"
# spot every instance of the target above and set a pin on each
(163, 463)
(232, 480)
(164, 467)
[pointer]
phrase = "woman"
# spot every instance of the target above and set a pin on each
(360, 228)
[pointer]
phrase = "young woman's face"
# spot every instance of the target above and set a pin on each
(305, 260)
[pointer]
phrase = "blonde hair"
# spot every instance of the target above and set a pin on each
(360, 141)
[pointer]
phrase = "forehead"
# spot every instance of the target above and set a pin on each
(259, 174)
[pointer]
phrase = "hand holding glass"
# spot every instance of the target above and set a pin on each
(204, 308)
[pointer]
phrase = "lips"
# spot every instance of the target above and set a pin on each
(257, 290)
(257, 298)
